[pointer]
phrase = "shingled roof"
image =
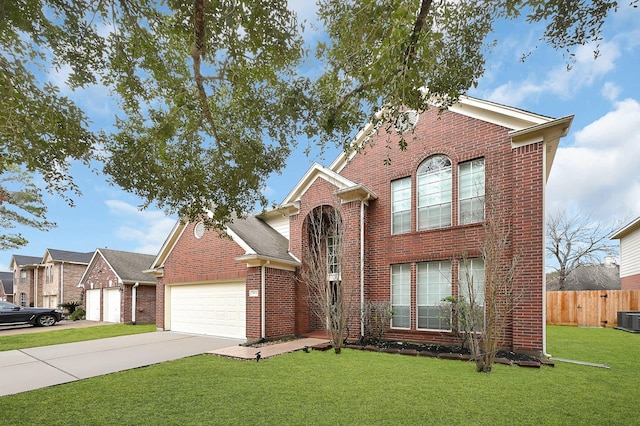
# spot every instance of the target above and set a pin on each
(26, 260)
(129, 266)
(70, 256)
(263, 239)
(6, 280)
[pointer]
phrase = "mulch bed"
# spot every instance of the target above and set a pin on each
(448, 352)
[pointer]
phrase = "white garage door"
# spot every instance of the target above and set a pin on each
(212, 309)
(93, 304)
(111, 308)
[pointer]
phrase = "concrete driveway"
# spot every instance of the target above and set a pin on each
(27, 369)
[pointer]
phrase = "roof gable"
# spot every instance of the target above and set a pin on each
(316, 171)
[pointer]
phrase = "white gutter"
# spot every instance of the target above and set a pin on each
(134, 297)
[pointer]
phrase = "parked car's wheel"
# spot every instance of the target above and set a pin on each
(45, 320)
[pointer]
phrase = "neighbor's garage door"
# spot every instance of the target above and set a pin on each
(93, 304)
(111, 308)
(213, 309)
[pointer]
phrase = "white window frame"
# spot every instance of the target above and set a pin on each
(434, 193)
(471, 191)
(401, 294)
(401, 205)
(433, 283)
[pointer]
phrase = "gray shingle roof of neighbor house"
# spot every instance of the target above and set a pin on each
(590, 277)
(262, 238)
(129, 266)
(70, 256)
(6, 278)
(26, 260)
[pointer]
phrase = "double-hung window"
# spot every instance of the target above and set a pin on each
(471, 190)
(433, 182)
(401, 205)
(471, 291)
(401, 295)
(433, 284)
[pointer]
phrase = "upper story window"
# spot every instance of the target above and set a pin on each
(434, 193)
(471, 191)
(401, 205)
(23, 276)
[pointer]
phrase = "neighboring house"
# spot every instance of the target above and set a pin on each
(117, 290)
(6, 286)
(50, 280)
(629, 237)
(25, 280)
(407, 226)
(591, 277)
(62, 271)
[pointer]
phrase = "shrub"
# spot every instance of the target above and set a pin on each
(77, 314)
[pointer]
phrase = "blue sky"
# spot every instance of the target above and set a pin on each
(596, 170)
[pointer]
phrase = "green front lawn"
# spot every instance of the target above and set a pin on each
(69, 335)
(355, 387)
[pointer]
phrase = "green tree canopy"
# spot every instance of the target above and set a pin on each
(213, 94)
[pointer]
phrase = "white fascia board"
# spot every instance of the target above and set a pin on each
(316, 171)
(169, 244)
(626, 229)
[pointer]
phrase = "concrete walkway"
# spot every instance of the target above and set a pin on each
(34, 368)
(244, 352)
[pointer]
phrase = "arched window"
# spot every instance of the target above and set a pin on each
(434, 192)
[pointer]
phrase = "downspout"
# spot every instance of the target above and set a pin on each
(362, 265)
(544, 257)
(134, 297)
(263, 299)
(61, 283)
(35, 287)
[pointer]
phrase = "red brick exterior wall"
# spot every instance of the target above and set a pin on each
(145, 304)
(101, 276)
(632, 282)
(515, 175)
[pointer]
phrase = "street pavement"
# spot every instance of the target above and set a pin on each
(33, 368)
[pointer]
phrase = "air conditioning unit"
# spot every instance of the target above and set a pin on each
(629, 321)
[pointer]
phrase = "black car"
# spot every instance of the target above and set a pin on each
(42, 317)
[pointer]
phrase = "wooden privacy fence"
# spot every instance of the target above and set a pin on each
(592, 308)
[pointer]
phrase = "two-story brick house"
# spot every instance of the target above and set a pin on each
(25, 279)
(49, 280)
(407, 226)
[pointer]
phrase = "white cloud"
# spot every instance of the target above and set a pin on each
(598, 174)
(558, 80)
(610, 91)
(147, 228)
